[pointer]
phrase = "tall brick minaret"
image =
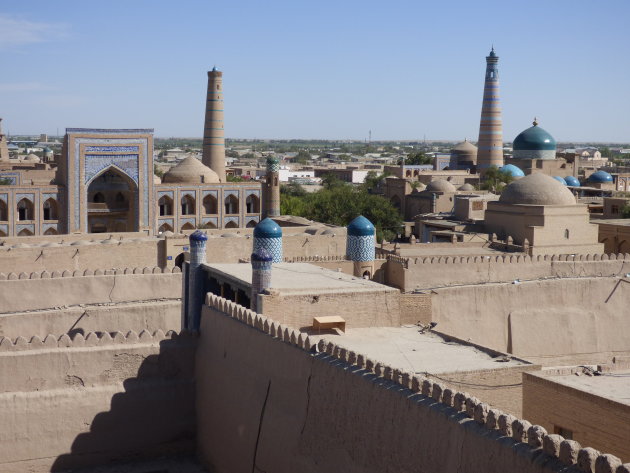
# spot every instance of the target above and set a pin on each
(4, 150)
(213, 134)
(490, 145)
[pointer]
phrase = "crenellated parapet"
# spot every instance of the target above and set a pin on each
(91, 339)
(87, 272)
(533, 439)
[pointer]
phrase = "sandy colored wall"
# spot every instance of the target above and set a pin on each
(359, 309)
(70, 403)
(284, 408)
(596, 421)
(45, 292)
(432, 272)
(122, 316)
(539, 320)
(91, 255)
(415, 308)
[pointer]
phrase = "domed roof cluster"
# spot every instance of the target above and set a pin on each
(360, 226)
(32, 158)
(466, 187)
(440, 185)
(190, 171)
(465, 146)
(560, 180)
(600, 177)
(512, 170)
(537, 189)
(534, 143)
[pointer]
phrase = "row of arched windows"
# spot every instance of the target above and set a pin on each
(210, 205)
(25, 210)
(165, 227)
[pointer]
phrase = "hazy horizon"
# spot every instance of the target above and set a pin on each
(326, 71)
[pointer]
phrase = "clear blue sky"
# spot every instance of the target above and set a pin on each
(316, 69)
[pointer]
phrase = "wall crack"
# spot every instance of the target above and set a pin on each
(260, 423)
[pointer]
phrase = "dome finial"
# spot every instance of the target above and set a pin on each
(535, 122)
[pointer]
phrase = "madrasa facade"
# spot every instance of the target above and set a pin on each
(103, 182)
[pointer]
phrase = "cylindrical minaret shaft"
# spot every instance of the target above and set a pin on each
(195, 280)
(213, 133)
(261, 275)
(490, 145)
(271, 190)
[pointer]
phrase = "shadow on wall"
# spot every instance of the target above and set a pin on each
(153, 417)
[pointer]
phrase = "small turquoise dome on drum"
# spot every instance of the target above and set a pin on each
(560, 180)
(268, 236)
(600, 177)
(361, 240)
(572, 181)
(512, 170)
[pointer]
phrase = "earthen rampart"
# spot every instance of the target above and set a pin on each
(399, 421)
(411, 274)
(90, 400)
(45, 289)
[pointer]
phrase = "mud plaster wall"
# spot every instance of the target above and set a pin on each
(601, 423)
(30, 294)
(448, 271)
(539, 320)
(359, 309)
(84, 405)
(282, 409)
(122, 316)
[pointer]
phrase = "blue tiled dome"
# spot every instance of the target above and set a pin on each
(512, 170)
(572, 181)
(534, 139)
(267, 229)
(198, 235)
(561, 180)
(600, 177)
(361, 226)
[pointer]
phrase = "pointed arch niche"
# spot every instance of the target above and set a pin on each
(112, 202)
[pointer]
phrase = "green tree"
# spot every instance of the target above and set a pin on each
(338, 203)
(5, 182)
(373, 181)
(302, 157)
(292, 188)
(234, 178)
(495, 180)
(157, 171)
(418, 158)
(625, 211)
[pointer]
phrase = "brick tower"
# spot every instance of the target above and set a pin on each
(213, 133)
(271, 189)
(490, 145)
(4, 150)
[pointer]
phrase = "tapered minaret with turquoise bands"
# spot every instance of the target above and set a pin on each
(213, 154)
(490, 145)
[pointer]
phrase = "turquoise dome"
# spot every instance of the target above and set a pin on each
(600, 177)
(534, 143)
(535, 139)
(572, 181)
(512, 170)
(267, 229)
(561, 180)
(361, 226)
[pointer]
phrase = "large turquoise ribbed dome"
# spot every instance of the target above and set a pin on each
(600, 177)
(361, 226)
(512, 170)
(534, 143)
(267, 229)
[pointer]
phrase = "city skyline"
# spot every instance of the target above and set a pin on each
(402, 71)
